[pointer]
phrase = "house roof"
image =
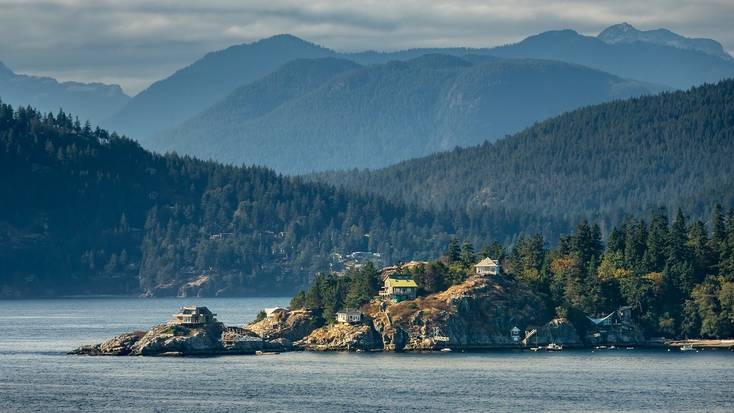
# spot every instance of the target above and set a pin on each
(195, 310)
(349, 311)
(486, 262)
(400, 283)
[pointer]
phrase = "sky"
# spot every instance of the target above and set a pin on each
(135, 42)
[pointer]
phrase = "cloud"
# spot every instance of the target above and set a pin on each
(135, 42)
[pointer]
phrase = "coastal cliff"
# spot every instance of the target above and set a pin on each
(479, 313)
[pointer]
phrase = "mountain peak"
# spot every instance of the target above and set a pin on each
(626, 33)
(284, 39)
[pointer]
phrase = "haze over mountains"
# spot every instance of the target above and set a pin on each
(320, 114)
(602, 162)
(88, 101)
(233, 105)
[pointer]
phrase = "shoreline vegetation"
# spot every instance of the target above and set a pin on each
(651, 279)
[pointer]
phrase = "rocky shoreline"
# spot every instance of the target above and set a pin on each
(475, 315)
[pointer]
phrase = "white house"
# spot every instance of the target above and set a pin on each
(349, 316)
(194, 316)
(515, 334)
(487, 266)
(272, 310)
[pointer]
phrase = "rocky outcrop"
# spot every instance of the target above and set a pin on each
(120, 345)
(559, 331)
(342, 336)
(476, 314)
(202, 286)
(175, 339)
(178, 339)
(289, 325)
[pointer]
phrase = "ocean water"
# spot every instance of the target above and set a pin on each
(37, 375)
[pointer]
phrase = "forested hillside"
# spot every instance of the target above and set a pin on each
(86, 212)
(676, 274)
(314, 115)
(599, 162)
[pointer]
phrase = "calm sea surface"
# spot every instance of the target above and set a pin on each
(36, 375)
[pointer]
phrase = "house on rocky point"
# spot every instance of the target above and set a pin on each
(194, 316)
(349, 316)
(487, 266)
(399, 288)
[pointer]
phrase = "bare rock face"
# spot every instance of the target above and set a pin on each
(178, 339)
(289, 325)
(342, 336)
(120, 345)
(559, 331)
(476, 314)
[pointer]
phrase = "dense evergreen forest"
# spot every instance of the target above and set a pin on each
(677, 274)
(601, 162)
(88, 212)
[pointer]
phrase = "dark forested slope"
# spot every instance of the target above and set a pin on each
(86, 212)
(617, 158)
(327, 113)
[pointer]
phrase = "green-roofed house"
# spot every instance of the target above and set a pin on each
(399, 288)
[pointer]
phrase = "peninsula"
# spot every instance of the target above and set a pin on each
(487, 310)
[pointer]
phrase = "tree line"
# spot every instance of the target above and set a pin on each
(677, 274)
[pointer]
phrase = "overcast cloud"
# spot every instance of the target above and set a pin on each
(135, 42)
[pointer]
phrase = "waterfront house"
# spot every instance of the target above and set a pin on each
(349, 316)
(487, 266)
(194, 316)
(272, 310)
(399, 288)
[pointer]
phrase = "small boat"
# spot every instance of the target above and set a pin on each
(536, 348)
(553, 347)
(266, 353)
(446, 350)
(630, 348)
(687, 347)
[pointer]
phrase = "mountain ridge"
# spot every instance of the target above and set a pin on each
(90, 101)
(604, 161)
(374, 115)
(626, 33)
(177, 98)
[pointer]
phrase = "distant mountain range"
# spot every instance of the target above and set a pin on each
(88, 101)
(669, 60)
(601, 162)
(319, 114)
(626, 33)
